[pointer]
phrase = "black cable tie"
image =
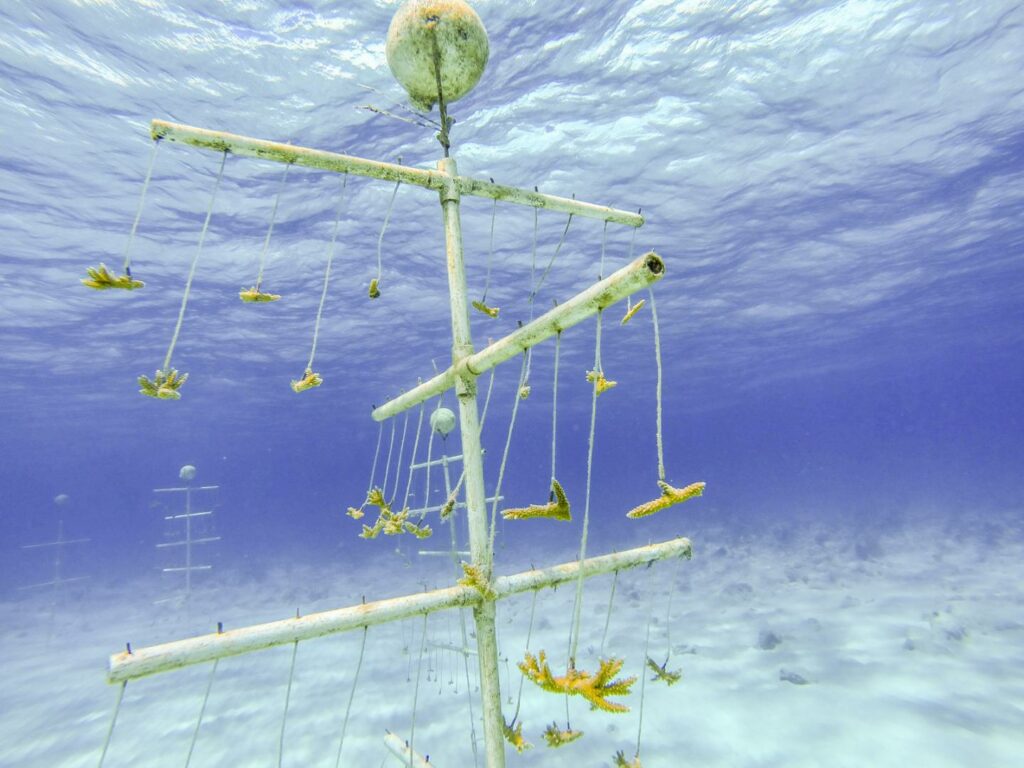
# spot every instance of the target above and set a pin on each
(129, 647)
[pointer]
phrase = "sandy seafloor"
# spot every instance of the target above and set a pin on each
(799, 647)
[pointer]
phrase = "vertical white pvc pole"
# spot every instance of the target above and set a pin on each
(472, 458)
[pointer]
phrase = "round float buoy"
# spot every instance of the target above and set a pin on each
(442, 421)
(449, 30)
(187, 473)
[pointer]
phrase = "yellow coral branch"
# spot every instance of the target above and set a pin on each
(661, 673)
(600, 382)
(476, 579)
(255, 296)
(308, 381)
(491, 312)
(101, 279)
(632, 311)
(620, 761)
(558, 509)
(594, 688)
(555, 737)
(164, 384)
(514, 736)
(669, 496)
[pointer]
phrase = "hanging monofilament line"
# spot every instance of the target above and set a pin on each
(554, 411)
(416, 689)
(554, 256)
(657, 396)
(202, 711)
(482, 306)
(138, 210)
(529, 632)
(351, 698)
(166, 382)
(401, 453)
(504, 456)
(309, 378)
(255, 294)
(608, 616)
(578, 604)
(643, 682)
(387, 463)
(287, 698)
(100, 277)
(113, 721)
(533, 256)
(374, 291)
(415, 453)
(631, 308)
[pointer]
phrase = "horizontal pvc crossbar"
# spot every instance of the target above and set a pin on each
(221, 141)
(403, 752)
(187, 488)
(57, 543)
(181, 653)
(636, 275)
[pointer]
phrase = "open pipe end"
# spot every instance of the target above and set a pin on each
(654, 263)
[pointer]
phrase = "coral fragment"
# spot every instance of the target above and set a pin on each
(669, 496)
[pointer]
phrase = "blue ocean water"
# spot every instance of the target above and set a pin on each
(837, 189)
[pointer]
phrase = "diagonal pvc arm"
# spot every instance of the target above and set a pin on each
(182, 653)
(641, 273)
(221, 141)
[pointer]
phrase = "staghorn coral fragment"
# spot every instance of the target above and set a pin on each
(374, 291)
(449, 505)
(389, 523)
(660, 673)
(164, 385)
(555, 737)
(669, 496)
(600, 382)
(491, 312)
(620, 761)
(514, 736)
(524, 391)
(308, 381)
(632, 311)
(475, 578)
(101, 279)
(594, 688)
(556, 509)
(255, 296)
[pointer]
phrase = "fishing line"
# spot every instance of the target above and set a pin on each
(195, 261)
(138, 210)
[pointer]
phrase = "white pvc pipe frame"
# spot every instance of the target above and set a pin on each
(141, 662)
(466, 366)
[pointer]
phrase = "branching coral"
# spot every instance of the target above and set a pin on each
(164, 385)
(669, 496)
(632, 311)
(556, 509)
(620, 761)
(491, 312)
(556, 737)
(514, 736)
(661, 673)
(255, 296)
(594, 688)
(600, 382)
(101, 279)
(389, 523)
(308, 381)
(476, 579)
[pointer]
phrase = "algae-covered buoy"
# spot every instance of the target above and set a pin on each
(446, 31)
